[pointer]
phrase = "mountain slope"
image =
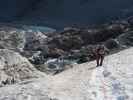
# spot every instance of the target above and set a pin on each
(112, 81)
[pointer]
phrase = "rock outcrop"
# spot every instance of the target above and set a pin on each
(15, 68)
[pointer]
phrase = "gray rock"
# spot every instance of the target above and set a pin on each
(126, 39)
(15, 68)
(112, 44)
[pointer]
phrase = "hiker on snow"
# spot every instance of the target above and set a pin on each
(100, 52)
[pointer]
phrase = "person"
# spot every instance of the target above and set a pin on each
(100, 52)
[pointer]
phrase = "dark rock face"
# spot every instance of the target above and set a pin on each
(102, 34)
(67, 41)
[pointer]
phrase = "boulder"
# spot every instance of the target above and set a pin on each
(112, 44)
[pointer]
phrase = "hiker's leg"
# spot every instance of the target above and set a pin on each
(97, 60)
(102, 58)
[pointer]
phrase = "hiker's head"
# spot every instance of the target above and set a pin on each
(102, 47)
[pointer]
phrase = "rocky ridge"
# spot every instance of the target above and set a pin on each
(51, 51)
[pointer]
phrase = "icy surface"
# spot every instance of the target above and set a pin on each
(112, 81)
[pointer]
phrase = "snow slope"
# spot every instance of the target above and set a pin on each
(112, 81)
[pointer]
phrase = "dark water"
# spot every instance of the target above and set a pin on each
(60, 13)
